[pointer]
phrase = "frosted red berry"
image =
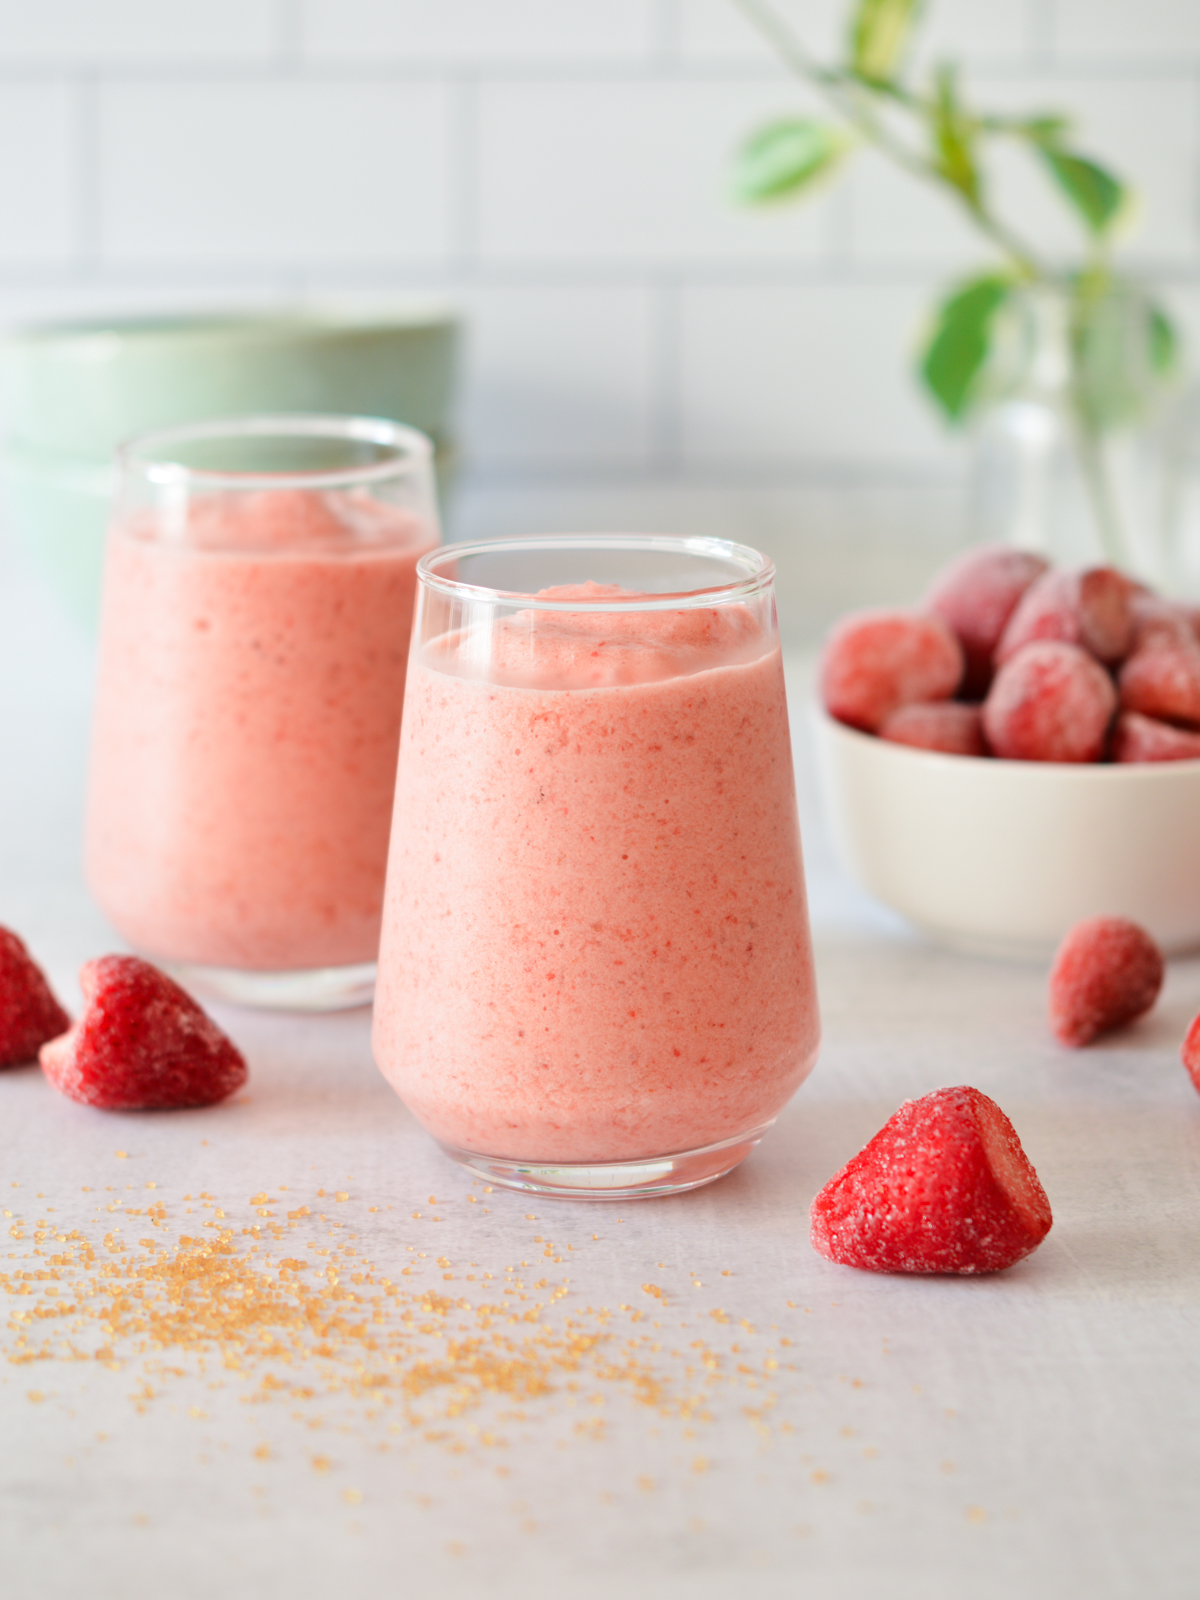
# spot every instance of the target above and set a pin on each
(944, 1186)
(944, 725)
(142, 1044)
(29, 1013)
(1158, 621)
(1191, 1052)
(1162, 679)
(1050, 702)
(975, 596)
(1092, 609)
(1108, 972)
(1139, 738)
(874, 661)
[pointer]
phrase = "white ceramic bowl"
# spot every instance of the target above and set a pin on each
(1004, 856)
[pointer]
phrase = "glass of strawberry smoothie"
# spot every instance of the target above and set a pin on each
(596, 974)
(258, 595)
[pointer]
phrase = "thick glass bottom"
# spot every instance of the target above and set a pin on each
(310, 989)
(613, 1180)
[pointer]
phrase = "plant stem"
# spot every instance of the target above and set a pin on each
(851, 97)
(1094, 469)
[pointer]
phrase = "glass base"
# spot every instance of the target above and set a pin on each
(612, 1180)
(311, 989)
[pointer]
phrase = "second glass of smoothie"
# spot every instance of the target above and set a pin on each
(596, 972)
(258, 600)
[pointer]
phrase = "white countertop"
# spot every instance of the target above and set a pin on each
(1036, 1433)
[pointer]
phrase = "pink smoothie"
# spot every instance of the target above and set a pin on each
(247, 722)
(596, 941)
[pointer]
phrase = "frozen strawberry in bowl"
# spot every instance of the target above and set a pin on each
(1058, 780)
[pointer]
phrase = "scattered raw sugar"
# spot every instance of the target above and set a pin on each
(303, 1320)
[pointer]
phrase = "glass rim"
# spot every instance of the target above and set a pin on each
(759, 576)
(149, 454)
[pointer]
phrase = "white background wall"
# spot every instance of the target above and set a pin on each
(642, 352)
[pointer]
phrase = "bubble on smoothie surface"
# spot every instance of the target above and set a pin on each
(281, 519)
(1090, 608)
(1050, 702)
(1139, 738)
(1162, 680)
(875, 661)
(1108, 971)
(975, 596)
(599, 649)
(944, 725)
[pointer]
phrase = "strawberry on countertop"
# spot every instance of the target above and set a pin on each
(944, 1186)
(142, 1044)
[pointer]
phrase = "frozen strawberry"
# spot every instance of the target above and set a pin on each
(1191, 1052)
(1162, 679)
(142, 1044)
(29, 1013)
(1139, 738)
(1107, 972)
(1050, 702)
(1159, 621)
(1091, 609)
(944, 1186)
(975, 596)
(875, 661)
(945, 725)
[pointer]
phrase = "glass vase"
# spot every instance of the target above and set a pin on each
(1071, 453)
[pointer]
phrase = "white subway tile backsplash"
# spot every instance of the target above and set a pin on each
(39, 175)
(97, 31)
(1120, 29)
(1146, 128)
(561, 167)
(630, 172)
(815, 373)
(478, 31)
(977, 31)
(269, 171)
(972, 30)
(717, 31)
(558, 375)
(897, 218)
(834, 546)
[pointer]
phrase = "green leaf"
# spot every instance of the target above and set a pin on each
(958, 348)
(879, 31)
(954, 136)
(1164, 342)
(786, 157)
(1094, 193)
(1046, 130)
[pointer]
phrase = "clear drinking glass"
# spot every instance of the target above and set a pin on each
(258, 592)
(596, 972)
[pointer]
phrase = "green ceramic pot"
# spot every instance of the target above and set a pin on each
(74, 391)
